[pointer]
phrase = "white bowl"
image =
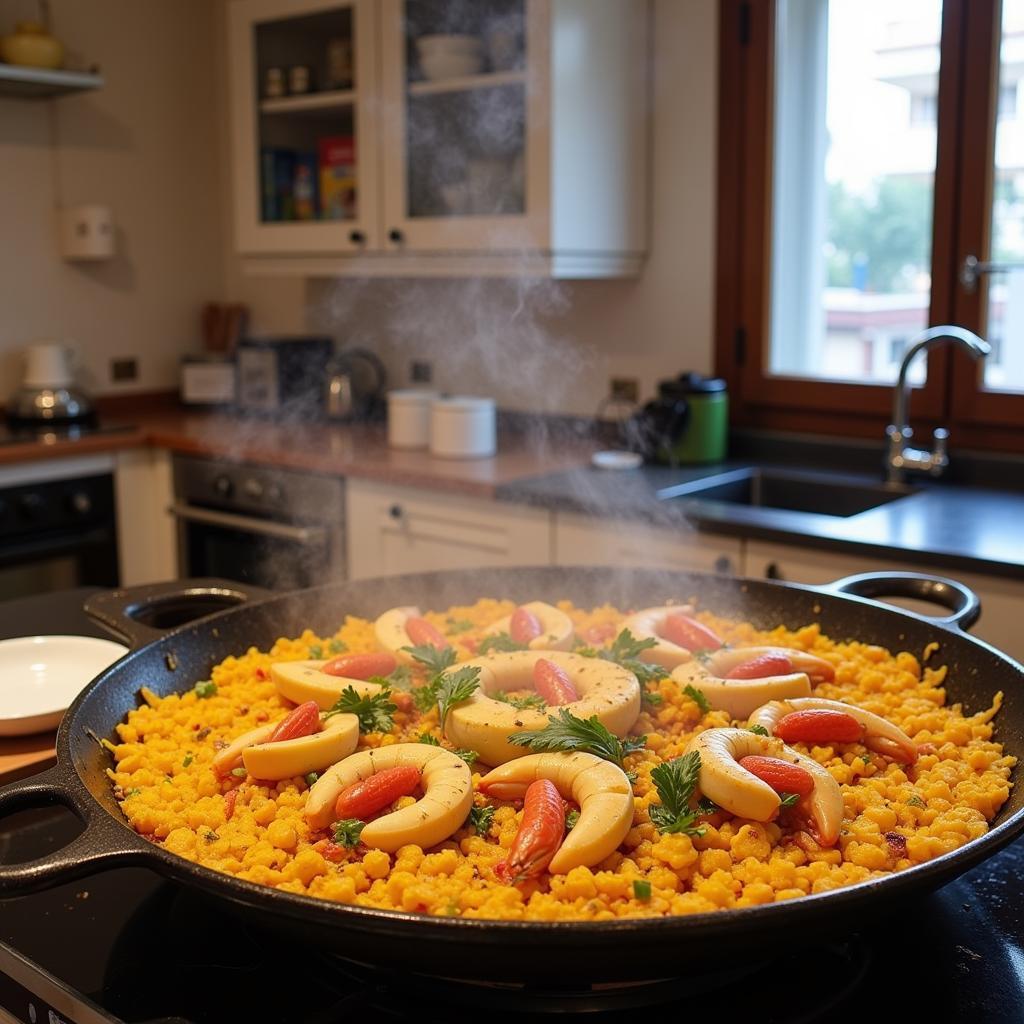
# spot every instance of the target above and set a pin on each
(438, 66)
(449, 44)
(40, 676)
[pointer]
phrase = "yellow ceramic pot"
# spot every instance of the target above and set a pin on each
(30, 45)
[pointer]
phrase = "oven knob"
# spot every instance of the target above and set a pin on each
(223, 486)
(253, 489)
(80, 503)
(30, 506)
(274, 493)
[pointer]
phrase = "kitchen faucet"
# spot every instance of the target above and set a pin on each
(901, 456)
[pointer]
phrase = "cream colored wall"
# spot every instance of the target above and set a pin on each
(537, 345)
(146, 144)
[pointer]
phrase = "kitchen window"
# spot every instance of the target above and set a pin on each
(867, 149)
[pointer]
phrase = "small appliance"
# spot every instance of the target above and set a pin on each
(47, 393)
(687, 423)
(356, 379)
(283, 375)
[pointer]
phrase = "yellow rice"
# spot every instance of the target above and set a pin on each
(170, 794)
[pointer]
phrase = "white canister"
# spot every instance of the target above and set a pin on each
(47, 365)
(463, 428)
(409, 417)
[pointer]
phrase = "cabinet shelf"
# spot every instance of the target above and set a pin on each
(314, 102)
(467, 83)
(43, 83)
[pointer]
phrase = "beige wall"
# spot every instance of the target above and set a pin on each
(146, 144)
(541, 345)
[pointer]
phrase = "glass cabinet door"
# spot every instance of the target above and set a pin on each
(303, 73)
(467, 83)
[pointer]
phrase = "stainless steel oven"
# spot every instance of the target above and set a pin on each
(57, 526)
(274, 528)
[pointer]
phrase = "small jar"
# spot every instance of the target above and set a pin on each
(300, 80)
(462, 427)
(273, 83)
(409, 417)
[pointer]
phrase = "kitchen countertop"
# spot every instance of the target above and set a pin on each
(944, 524)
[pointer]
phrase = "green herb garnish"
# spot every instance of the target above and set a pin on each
(400, 679)
(311, 778)
(375, 713)
(535, 702)
(480, 819)
(652, 699)
(469, 756)
(759, 730)
(571, 818)
(189, 758)
(567, 732)
(206, 688)
(453, 688)
(133, 792)
(239, 773)
(429, 739)
(788, 799)
(316, 652)
(347, 832)
(641, 889)
(424, 697)
(210, 836)
(499, 642)
(676, 781)
(458, 625)
(625, 651)
(336, 647)
(698, 698)
(436, 659)
(916, 801)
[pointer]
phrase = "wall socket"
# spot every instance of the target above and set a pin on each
(124, 370)
(625, 388)
(421, 372)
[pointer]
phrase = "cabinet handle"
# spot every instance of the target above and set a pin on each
(396, 236)
(723, 565)
(772, 571)
(357, 237)
(395, 511)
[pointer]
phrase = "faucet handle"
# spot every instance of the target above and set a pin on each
(939, 457)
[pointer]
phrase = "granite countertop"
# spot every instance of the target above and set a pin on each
(969, 528)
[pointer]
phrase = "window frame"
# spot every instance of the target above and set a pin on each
(968, 87)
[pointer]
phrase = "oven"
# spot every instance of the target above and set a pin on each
(58, 526)
(276, 528)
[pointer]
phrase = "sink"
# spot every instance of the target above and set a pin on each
(824, 494)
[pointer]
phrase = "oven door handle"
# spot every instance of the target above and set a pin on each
(307, 535)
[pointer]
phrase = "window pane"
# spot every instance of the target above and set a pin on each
(856, 93)
(1004, 369)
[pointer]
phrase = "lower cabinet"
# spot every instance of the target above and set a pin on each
(582, 540)
(147, 545)
(393, 530)
(1001, 599)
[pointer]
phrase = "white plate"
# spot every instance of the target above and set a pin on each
(41, 675)
(617, 460)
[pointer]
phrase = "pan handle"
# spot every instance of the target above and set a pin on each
(962, 602)
(139, 615)
(104, 842)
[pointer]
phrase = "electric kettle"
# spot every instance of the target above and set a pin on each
(355, 385)
(687, 423)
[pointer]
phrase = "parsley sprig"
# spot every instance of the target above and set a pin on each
(572, 818)
(534, 702)
(480, 819)
(788, 799)
(759, 730)
(375, 712)
(565, 731)
(347, 832)
(675, 782)
(436, 659)
(698, 698)
(453, 688)
(499, 642)
(626, 650)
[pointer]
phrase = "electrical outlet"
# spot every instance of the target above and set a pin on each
(625, 388)
(421, 372)
(124, 370)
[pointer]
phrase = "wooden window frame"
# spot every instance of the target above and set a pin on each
(968, 85)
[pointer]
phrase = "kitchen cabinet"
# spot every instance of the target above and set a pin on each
(1000, 598)
(529, 158)
(146, 538)
(393, 530)
(582, 540)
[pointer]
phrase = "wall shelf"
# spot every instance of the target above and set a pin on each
(42, 83)
(490, 80)
(309, 102)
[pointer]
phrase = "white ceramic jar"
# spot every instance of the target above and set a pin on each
(409, 417)
(462, 427)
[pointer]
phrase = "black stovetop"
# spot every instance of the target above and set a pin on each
(128, 946)
(20, 432)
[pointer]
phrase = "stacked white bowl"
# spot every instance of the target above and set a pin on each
(451, 426)
(450, 56)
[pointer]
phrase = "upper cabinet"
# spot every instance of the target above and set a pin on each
(424, 137)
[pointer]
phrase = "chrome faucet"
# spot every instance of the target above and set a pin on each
(901, 456)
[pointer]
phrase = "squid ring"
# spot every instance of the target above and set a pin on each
(732, 787)
(557, 627)
(300, 681)
(438, 814)
(879, 733)
(647, 624)
(601, 789)
(741, 696)
(484, 724)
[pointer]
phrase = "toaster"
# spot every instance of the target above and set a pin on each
(285, 374)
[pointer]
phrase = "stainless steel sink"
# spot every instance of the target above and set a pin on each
(824, 494)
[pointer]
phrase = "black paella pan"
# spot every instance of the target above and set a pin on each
(565, 952)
